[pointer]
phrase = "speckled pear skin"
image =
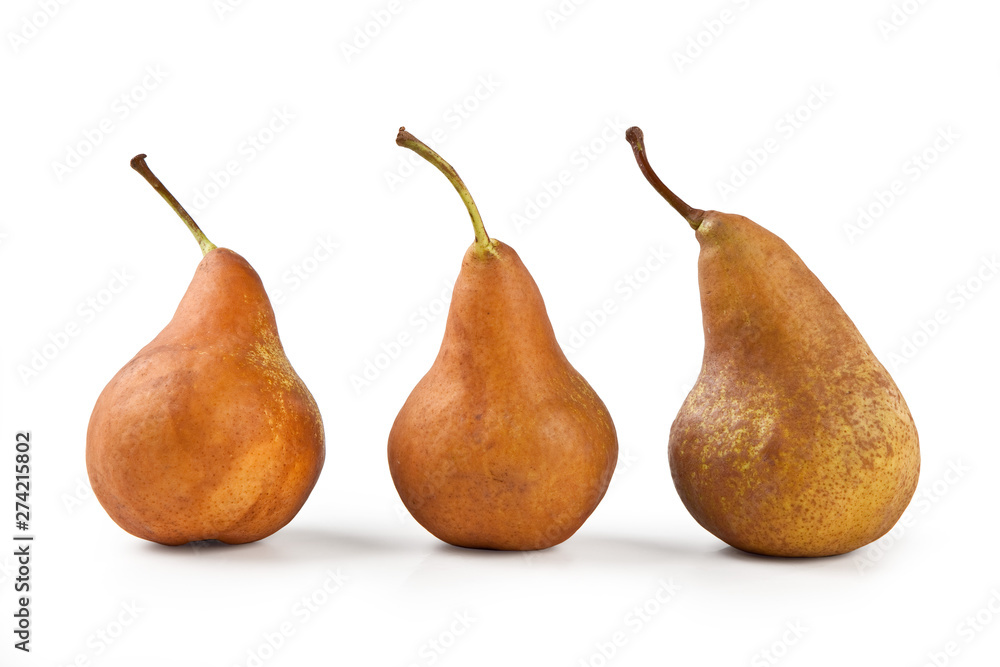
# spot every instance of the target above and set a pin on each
(794, 441)
(502, 444)
(208, 432)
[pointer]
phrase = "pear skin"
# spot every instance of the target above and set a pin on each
(794, 441)
(208, 432)
(502, 444)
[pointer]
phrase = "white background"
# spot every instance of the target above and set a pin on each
(555, 89)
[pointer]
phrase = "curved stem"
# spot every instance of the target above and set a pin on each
(407, 140)
(139, 164)
(694, 216)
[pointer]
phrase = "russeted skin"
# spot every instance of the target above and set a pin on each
(502, 444)
(794, 441)
(208, 432)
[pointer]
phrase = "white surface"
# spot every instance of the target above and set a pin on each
(551, 91)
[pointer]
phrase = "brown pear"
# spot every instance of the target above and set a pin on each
(502, 444)
(794, 441)
(207, 433)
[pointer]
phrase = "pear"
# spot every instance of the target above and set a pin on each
(502, 444)
(208, 432)
(794, 441)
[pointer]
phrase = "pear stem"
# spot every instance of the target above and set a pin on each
(139, 164)
(694, 216)
(407, 140)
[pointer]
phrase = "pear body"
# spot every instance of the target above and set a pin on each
(208, 432)
(502, 444)
(794, 441)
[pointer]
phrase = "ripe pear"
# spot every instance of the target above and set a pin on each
(794, 441)
(208, 432)
(502, 444)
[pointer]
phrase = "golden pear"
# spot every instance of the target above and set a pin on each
(794, 441)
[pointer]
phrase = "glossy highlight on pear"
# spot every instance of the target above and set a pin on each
(794, 441)
(207, 433)
(502, 444)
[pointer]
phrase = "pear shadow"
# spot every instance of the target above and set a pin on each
(477, 553)
(288, 545)
(733, 554)
(589, 547)
(583, 551)
(192, 549)
(490, 575)
(318, 545)
(304, 545)
(635, 550)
